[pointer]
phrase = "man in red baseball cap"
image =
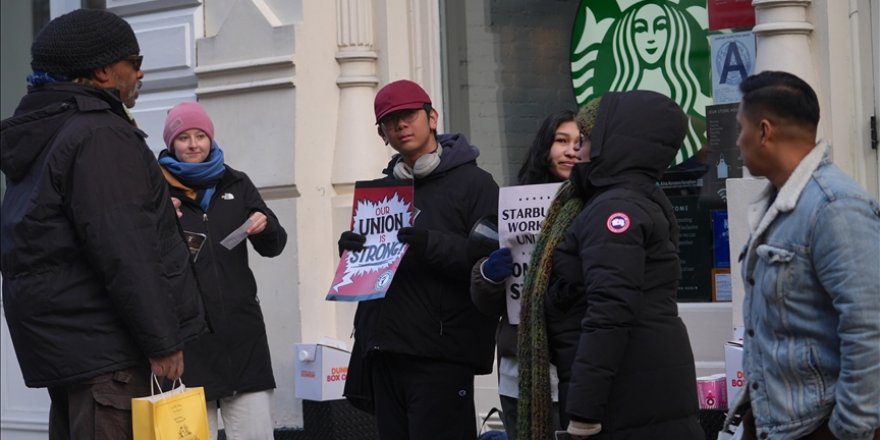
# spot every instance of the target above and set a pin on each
(416, 351)
(403, 100)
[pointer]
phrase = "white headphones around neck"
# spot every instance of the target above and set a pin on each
(423, 166)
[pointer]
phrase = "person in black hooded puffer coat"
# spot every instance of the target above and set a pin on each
(633, 372)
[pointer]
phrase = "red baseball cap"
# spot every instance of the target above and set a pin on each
(399, 95)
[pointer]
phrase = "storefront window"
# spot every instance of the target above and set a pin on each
(510, 63)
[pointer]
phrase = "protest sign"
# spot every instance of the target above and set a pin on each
(521, 212)
(380, 209)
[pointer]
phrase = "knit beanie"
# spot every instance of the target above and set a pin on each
(586, 117)
(183, 117)
(81, 41)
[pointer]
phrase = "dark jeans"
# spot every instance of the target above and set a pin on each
(422, 399)
(98, 408)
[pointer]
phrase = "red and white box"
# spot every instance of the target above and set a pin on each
(736, 378)
(320, 370)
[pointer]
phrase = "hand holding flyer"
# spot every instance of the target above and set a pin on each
(380, 210)
(237, 236)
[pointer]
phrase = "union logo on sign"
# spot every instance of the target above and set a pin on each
(660, 45)
(384, 279)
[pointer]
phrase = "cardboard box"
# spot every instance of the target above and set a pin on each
(736, 379)
(320, 370)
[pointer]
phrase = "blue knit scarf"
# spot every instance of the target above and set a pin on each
(204, 175)
(40, 77)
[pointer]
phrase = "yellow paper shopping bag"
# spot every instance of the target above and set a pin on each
(178, 414)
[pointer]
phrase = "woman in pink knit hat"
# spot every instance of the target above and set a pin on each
(232, 362)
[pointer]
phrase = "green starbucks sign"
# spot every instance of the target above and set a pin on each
(660, 45)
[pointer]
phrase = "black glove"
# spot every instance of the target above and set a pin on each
(351, 241)
(416, 238)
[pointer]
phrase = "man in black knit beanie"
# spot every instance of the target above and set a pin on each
(98, 290)
(74, 46)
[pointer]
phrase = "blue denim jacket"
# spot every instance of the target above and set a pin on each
(812, 305)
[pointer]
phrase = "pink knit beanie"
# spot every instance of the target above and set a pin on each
(183, 117)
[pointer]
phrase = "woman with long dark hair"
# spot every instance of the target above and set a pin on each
(555, 150)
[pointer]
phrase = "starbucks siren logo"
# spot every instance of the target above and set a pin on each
(658, 45)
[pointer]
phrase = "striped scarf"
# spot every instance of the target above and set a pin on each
(535, 421)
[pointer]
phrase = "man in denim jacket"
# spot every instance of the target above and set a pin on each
(812, 303)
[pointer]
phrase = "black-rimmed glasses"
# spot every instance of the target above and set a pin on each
(135, 60)
(408, 116)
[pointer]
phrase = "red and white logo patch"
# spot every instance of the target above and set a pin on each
(618, 223)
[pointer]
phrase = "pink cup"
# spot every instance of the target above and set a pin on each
(712, 391)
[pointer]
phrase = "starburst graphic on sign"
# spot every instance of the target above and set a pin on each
(378, 222)
(658, 45)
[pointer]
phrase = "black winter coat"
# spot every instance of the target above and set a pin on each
(633, 368)
(96, 275)
(234, 357)
(490, 299)
(427, 311)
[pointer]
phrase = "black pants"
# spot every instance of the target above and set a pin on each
(508, 415)
(422, 399)
(98, 408)
(509, 410)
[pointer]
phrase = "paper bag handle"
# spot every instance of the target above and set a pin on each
(155, 381)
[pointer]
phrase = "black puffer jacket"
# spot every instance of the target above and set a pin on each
(427, 311)
(235, 356)
(633, 370)
(96, 276)
(491, 299)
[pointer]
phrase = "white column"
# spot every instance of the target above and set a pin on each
(783, 35)
(359, 153)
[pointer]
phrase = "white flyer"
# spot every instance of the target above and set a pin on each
(237, 236)
(521, 212)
